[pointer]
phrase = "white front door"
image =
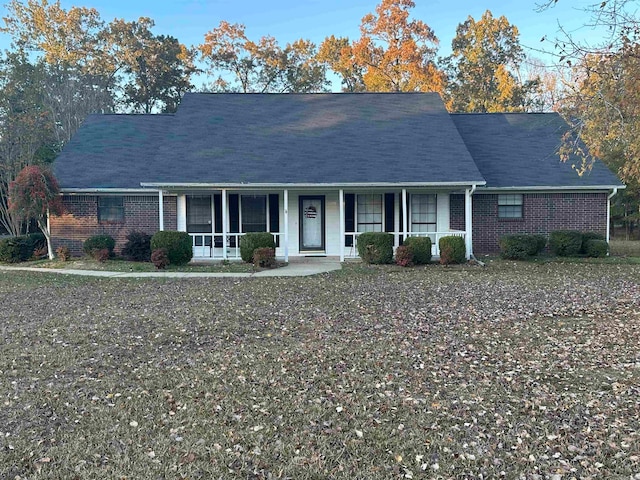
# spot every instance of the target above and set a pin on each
(312, 223)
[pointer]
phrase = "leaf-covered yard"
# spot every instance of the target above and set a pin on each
(516, 370)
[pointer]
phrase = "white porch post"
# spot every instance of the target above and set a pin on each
(405, 214)
(286, 225)
(341, 202)
(161, 210)
(225, 219)
(468, 225)
(609, 197)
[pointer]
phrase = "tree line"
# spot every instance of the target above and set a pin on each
(65, 64)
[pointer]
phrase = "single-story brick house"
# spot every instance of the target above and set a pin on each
(317, 170)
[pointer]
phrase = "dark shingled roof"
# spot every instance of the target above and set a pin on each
(521, 150)
(112, 151)
(268, 138)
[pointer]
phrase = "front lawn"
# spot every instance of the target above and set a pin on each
(121, 265)
(515, 370)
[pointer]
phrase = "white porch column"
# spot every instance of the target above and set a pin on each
(286, 225)
(161, 210)
(405, 214)
(609, 197)
(341, 202)
(468, 224)
(225, 220)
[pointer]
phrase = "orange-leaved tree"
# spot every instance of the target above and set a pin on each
(35, 194)
(393, 54)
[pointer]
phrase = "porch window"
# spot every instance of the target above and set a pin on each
(423, 213)
(510, 206)
(199, 214)
(254, 213)
(369, 212)
(110, 209)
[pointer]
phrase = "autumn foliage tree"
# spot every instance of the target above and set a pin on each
(246, 66)
(393, 54)
(35, 194)
(486, 55)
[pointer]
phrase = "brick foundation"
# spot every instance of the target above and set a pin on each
(542, 213)
(80, 220)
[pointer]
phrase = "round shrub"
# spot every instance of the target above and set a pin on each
(22, 248)
(519, 247)
(138, 247)
(596, 248)
(251, 241)
(565, 243)
(586, 237)
(375, 247)
(421, 248)
(452, 250)
(178, 245)
(404, 256)
(10, 250)
(99, 242)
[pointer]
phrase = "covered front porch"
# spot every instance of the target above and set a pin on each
(314, 221)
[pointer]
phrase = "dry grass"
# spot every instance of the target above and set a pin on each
(517, 370)
(625, 248)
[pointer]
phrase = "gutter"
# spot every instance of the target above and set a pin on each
(157, 185)
(613, 193)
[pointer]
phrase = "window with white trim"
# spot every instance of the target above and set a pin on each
(253, 210)
(199, 214)
(369, 212)
(110, 209)
(424, 213)
(510, 206)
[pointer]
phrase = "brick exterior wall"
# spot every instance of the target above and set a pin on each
(80, 220)
(542, 213)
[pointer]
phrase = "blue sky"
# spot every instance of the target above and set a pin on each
(288, 20)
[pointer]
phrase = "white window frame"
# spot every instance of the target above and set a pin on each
(512, 202)
(357, 216)
(428, 196)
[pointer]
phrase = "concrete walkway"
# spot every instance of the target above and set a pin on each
(296, 268)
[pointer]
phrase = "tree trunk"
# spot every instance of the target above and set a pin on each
(43, 223)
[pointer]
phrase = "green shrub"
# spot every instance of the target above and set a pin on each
(421, 248)
(375, 247)
(22, 248)
(159, 258)
(519, 247)
(586, 237)
(251, 241)
(264, 257)
(138, 247)
(99, 242)
(596, 248)
(452, 250)
(178, 245)
(405, 256)
(10, 250)
(565, 243)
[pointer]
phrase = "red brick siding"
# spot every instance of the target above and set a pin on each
(80, 220)
(456, 212)
(542, 213)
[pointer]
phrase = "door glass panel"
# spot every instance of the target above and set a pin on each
(312, 223)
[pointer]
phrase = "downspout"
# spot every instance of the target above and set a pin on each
(468, 224)
(611, 195)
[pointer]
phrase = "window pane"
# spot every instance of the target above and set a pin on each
(510, 206)
(369, 207)
(254, 213)
(110, 209)
(199, 214)
(424, 213)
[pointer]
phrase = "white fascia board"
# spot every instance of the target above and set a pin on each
(106, 191)
(256, 186)
(541, 189)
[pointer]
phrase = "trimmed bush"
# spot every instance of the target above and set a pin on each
(586, 237)
(251, 241)
(138, 247)
(452, 250)
(404, 256)
(596, 248)
(22, 248)
(159, 258)
(264, 257)
(97, 243)
(101, 255)
(421, 248)
(375, 247)
(177, 244)
(565, 243)
(519, 247)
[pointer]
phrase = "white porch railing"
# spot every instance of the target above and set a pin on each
(352, 251)
(213, 245)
